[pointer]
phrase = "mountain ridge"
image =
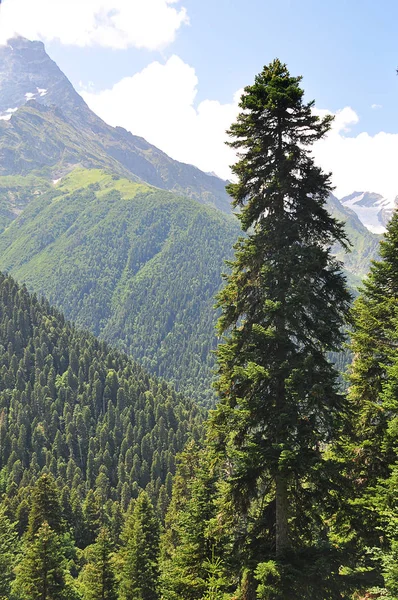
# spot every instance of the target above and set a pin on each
(373, 209)
(135, 156)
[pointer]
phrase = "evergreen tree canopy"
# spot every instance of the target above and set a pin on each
(283, 307)
(8, 553)
(41, 572)
(373, 448)
(97, 577)
(45, 506)
(374, 370)
(140, 577)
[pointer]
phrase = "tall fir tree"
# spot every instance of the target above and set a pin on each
(8, 553)
(98, 578)
(373, 448)
(140, 555)
(45, 507)
(188, 545)
(41, 573)
(283, 308)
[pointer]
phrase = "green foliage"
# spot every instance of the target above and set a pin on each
(41, 574)
(140, 554)
(372, 449)
(45, 506)
(190, 549)
(136, 265)
(283, 308)
(82, 430)
(9, 544)
(97, 578)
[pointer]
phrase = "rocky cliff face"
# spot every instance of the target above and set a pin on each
(30, 79)
(28, 73)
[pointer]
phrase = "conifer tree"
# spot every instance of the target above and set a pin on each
(373, 449)
(41, 573)
(8, 553)
(374, 345)
(283, 308)
(140, 555)
(46, 506)
(97, 578)
(188, 548)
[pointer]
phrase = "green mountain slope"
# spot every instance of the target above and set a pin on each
(16, 193)
(365, 244)
(137, 265)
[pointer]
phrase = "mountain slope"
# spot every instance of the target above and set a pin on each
(28, 75)
(373, 210)
(136, 265)
(364, 243)
(71, 406)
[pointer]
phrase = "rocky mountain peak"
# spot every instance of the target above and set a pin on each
(28, 73)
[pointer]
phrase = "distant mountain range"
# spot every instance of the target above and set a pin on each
(372, 209)
(126, 241)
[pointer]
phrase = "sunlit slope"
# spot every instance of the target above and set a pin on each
(134, 264)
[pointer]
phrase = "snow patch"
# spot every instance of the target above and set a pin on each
(373, 210)
(30, 96)
(6, 116)
(55, 181)
(42, 92)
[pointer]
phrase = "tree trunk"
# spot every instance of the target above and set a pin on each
(282, 515)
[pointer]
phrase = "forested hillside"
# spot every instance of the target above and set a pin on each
(72, 407)
(134, 264)
(112, 487)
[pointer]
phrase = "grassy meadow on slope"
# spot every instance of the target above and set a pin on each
(134, 264)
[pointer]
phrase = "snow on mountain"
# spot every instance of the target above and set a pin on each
(373, 210)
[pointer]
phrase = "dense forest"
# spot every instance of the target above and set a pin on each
(82, 427)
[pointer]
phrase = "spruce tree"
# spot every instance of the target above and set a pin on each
(283, 308)
(140, 555)
(8, 553)
(188, 549)
(41, 573)
(373, 449)
(46, 506)
(98, 578)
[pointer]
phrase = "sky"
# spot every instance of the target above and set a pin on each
(172, 71)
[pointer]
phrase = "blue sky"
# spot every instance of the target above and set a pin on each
(204, 51)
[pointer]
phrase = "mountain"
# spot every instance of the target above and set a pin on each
(36, 99)
(94, 218)
(364, 243)
(134, 264)
(373, 210)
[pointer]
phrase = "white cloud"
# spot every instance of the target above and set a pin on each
(376, 106)
(150, 24)
(159, 104)
(359, 163)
